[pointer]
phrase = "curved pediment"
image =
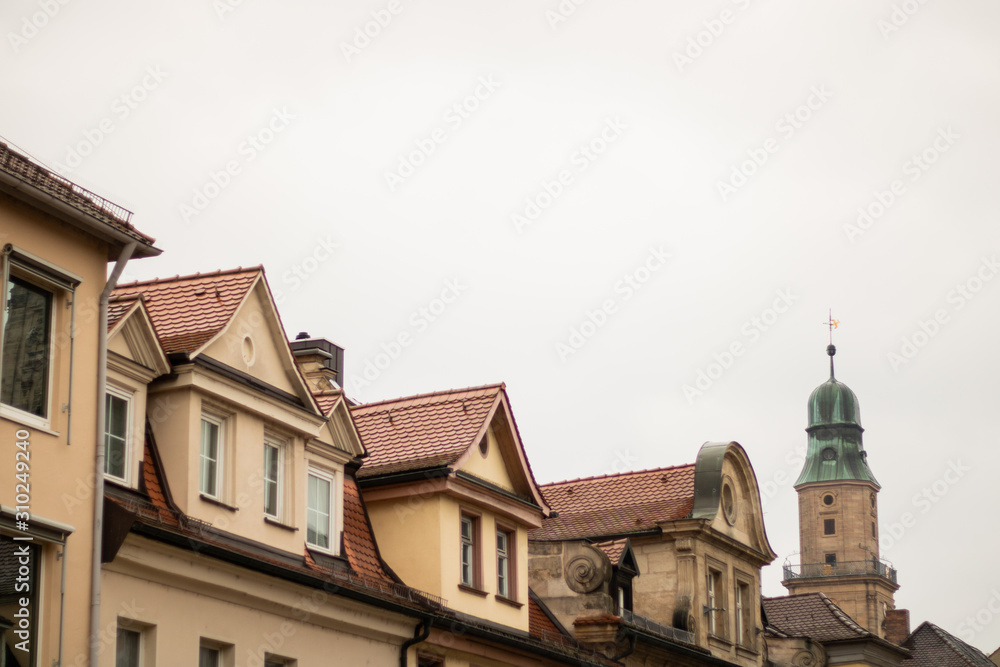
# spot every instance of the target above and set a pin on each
(726, 494)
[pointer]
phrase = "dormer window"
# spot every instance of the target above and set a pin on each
(506, 564)
(211, 460)
(117, 418)
(273, 477)
(470, 551)
(319, 511)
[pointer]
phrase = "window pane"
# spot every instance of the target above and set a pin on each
(128, 648)
(318, 514)
(26, 325)
(209, 457)
(115, 425)
(271, 462)
(208, 657)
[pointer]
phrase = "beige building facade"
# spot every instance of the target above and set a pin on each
(57, 240)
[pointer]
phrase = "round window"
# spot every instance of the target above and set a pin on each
(828, 499)
(729, 503)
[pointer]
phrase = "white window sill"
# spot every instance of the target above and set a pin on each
(27, 419)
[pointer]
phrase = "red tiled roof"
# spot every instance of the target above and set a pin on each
(327, 399)
(422, 431)
(118, 307)
(621, 504)
(613, 549)
(539, 623)
(812, 615)
(358, 540)
(113, 215)
(933, 647)
(188, 311)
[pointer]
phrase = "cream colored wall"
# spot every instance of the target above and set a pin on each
(61, 474)
(153, 588)
(241, 508)
(419, 537)
(408, 533)
(490, 467)
(255, 322)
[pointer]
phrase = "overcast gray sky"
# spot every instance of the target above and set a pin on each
(636, 213)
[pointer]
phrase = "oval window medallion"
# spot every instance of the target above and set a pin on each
(729, 503)
(248, 351)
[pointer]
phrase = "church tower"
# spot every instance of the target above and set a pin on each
(838, 512)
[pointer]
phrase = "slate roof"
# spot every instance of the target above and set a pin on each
(424, 431)
(615, 505)
(933, 647)
(812, 615)
(189, 311)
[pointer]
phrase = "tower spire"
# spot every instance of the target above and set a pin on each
(830, 349)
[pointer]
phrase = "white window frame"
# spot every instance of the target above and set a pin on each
(280, 446)
(127, 454)
(220, 455)
(334, 521)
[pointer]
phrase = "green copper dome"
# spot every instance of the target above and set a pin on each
(835, 450)
(833, 402)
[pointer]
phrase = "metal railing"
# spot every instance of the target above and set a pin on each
(62, 189)
(656, 628)
(842, 569)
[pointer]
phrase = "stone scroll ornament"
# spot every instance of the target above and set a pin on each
(804, 658)
(584, 575)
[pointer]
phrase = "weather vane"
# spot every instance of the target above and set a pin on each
(833, 324)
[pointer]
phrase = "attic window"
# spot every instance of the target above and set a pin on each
(484, 446)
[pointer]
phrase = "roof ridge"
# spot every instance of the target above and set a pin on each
(194, 276)
(617, 474)
(445, 392)
(842, 616)
(949, 639)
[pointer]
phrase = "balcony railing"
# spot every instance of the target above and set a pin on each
(843, 569)
(66, 191)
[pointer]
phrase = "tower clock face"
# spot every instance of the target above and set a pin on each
(829, 454)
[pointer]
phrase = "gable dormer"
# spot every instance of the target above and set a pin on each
(448, 471)
(135, 359)
(243, 442)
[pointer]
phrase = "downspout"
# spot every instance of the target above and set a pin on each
(418, 636)
(628, 652)
(72, 345)
(62, 599)
(102, 380)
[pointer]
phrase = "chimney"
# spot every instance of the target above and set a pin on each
(321, 362)
(897, 625)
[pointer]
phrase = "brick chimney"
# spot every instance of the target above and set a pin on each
(897, 625)
(321, 362)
